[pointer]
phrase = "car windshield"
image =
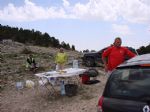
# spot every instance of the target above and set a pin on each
(132, 83)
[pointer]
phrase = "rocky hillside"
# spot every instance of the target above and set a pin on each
(13, 57)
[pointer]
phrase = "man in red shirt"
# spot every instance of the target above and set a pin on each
(115, 55)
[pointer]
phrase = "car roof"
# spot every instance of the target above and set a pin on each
(137, 60)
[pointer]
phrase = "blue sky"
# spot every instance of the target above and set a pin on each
(87, 24)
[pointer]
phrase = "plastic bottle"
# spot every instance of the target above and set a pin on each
(62, 88)
(19, 85)
(75, 64)
(57, 68)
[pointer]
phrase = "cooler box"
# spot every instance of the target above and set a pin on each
(85, 78)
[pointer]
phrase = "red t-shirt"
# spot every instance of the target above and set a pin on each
(116, 56)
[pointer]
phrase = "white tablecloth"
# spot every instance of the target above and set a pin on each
(69, 73)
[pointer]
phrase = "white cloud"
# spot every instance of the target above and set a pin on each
(66, 3)
(96, 9)
(134, 11)
(122, 30)
(31, 12)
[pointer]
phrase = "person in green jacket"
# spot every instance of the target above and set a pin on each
(61, 59)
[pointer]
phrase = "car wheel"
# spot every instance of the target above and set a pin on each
(90, 62)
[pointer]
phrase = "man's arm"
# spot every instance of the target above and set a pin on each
(129, 53)
(28, 61)
(56, 58)
(66, 58)
(105, 55)
(104, 59)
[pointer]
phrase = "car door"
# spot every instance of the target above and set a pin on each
(123, 105)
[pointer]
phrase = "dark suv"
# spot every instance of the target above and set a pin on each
(92, 59)
(128, 87)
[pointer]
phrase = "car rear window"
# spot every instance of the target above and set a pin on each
(130, 83)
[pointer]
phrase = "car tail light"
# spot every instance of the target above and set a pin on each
(100, 103)
(146, 65)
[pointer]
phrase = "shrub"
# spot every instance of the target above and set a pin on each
(26, 51)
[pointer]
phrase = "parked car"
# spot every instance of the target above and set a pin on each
(92, 59)
(128, 87)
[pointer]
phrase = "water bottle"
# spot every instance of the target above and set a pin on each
(19, 85)
(57, 67)
(75, 64)
(62, 88)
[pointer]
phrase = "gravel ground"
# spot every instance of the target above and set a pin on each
(40, 99)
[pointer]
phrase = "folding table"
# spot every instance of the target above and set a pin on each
(65, 73)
